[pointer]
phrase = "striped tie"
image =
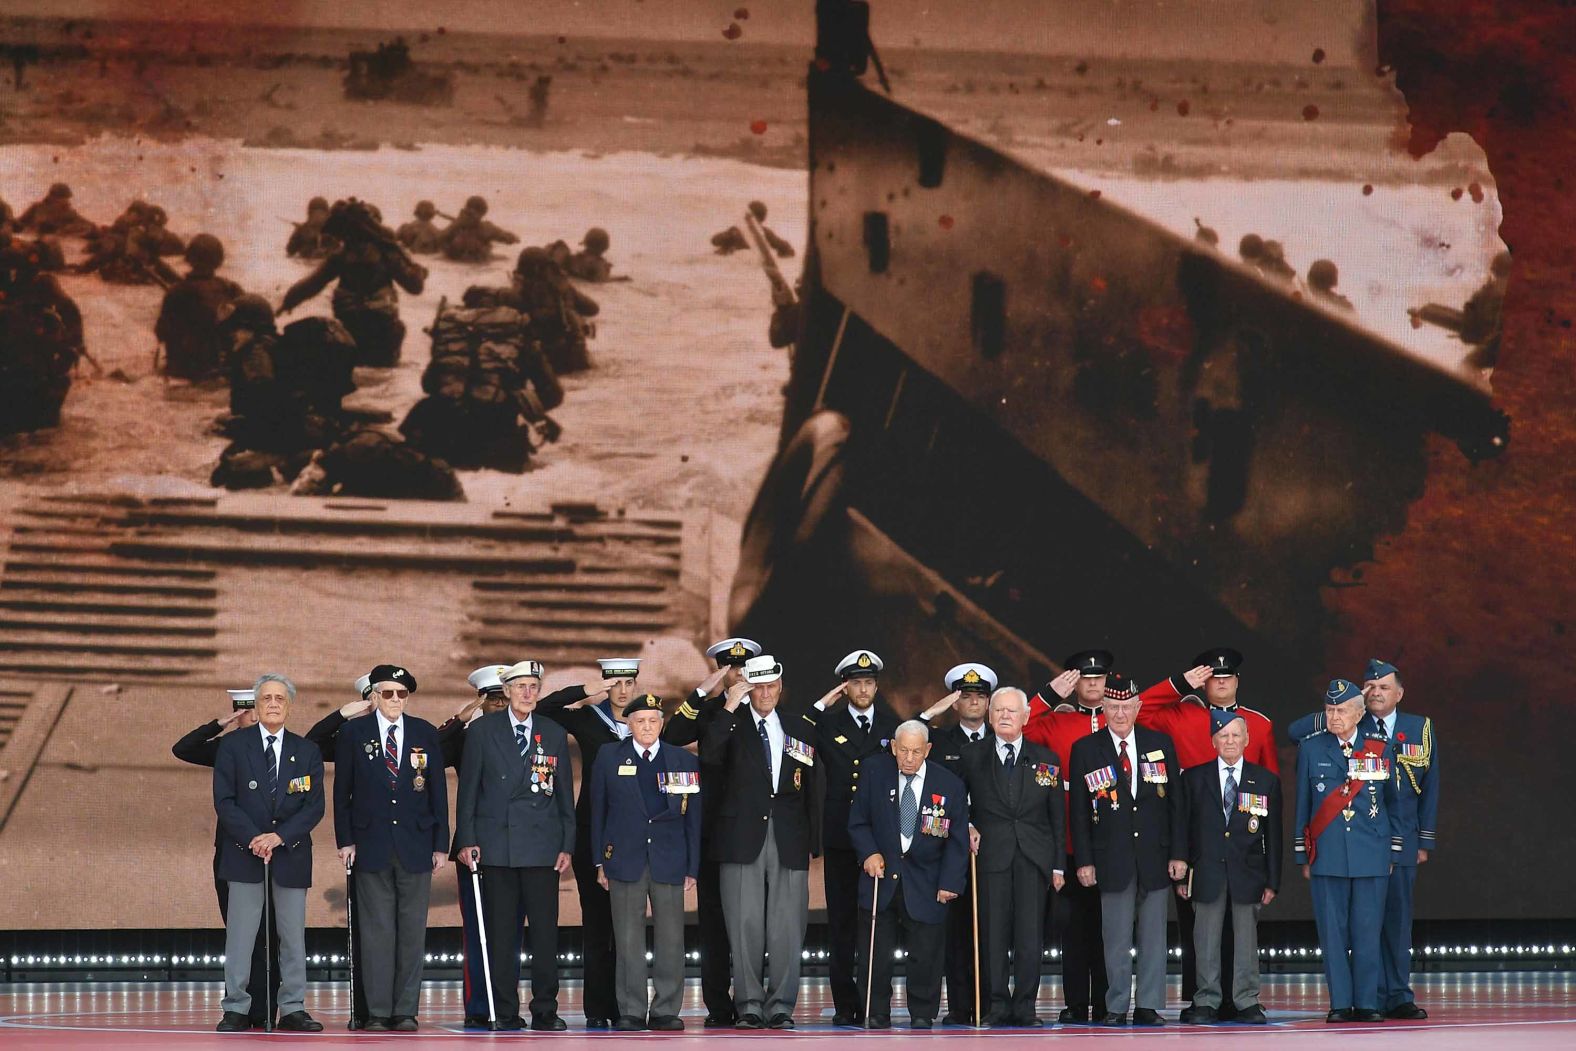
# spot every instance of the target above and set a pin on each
(908, 807)
(273, 768)
(1228, 800)
(391, 757)
(522, 741)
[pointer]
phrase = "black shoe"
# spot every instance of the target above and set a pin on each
(476, 1022)
(1252, 1016)
(233, 1022)
(403, 1024)
(1111, 1018)
(1408, 1012)
(1199, 1016)
(1074, 1016)
(374, 1025)
(780, 1022)
(878, 1022)
(667, 1024)
(1342, 1014)
(953, 1018)
(721, 1020)
(920, 1023)
(1147, 1016)
(1366, 1014)
(749, 1022)
(1227, 1013)
(548, 1024)
(625, 1024)
(997, 1020)
(841, 1018)
(1028, 1022)
(512, 1024)
(598, 1023)
(300, 1022)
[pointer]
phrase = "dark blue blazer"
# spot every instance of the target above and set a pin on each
(1240, 853)
(382, 824)
(933, 863)
(497, 811)
(246, 809)
(624, 838)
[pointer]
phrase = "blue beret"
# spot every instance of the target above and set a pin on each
(1219, 718)
(1378, 669)
(1340, 692)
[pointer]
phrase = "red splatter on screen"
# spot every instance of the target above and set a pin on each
(1182, 108)
(758, 127)
(946, 222)
(1318, 55)
(733, 32)
(1368, 189)
(1310, 112)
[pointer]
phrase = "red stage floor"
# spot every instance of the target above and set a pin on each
(1467, 1011)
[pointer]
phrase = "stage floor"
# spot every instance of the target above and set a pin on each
(1467, 1011)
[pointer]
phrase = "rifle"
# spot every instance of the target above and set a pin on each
(782, 291)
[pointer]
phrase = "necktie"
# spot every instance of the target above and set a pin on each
(908, 808)
(1384, 729)
(864, 724)
(766, 745)
(974, 737)
(1008, 761)
(1229, 800)
(273, 767)
(391, 757)
(646, 755)
(521, 740)
(1127, 768)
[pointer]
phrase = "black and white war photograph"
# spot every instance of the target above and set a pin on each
(879, 514)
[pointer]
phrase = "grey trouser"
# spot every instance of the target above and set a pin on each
(1118, 912)
(240, 934)
(391, 924)
(667, 950)
(1208, 922)
(766, 906)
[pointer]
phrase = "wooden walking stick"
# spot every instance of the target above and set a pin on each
(870, 974)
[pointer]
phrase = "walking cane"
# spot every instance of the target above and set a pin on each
(350, 945)
(974, 905)
(481, 930)
(268, 949)
(870, 974)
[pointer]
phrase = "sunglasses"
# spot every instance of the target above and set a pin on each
(389, 695)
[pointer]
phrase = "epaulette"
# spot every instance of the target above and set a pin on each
(1253, 711)
(1065, 707)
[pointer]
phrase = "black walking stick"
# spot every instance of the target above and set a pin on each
(350, 943)
(268, 949)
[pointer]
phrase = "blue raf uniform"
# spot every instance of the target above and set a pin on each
(1416, 776)
(1350, 857)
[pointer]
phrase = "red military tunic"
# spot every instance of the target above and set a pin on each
(1187, 724)
(1057, 727)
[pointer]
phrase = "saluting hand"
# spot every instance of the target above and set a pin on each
(352, 709)
(1064, 684)
(239, 719)
(830, 696)
(708, 685)
(735, 694)
(1196, 677)
(942, 705)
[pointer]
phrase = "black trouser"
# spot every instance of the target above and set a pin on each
(503, 891)
(1190, 959)
(1013, 904)
(924, 944)
(960, 958)
(841, 874)
(1083, 946)
(261, 1005)
(716, 960)
(596, 934)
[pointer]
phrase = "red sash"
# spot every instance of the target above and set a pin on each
(1336, 802)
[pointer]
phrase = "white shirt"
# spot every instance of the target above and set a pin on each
(1236, 772)
(976, 734)
(919, 795)
(1017, 751)
(279, 744)
(774, 734)
(1132, 758)
(399, 738)
(640, 753)
(515, 724)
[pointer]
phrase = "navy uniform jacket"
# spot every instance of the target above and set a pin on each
(514, 826)
(383, 824)
(247, 810)
(1132, 838)
(688, 726)
(1033, 823)
(746, 801)
(1416, 776)
(1242, 853)
(1366, 845)
(201, 748)
(937, 859)
(840, 748)
(948, 742)
(590, 728)
(625, 839)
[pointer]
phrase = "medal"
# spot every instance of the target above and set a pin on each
(418, 783)
(1161, 790)
(1373, 811)
(1253, 824)
(1348, 813)
(535, 787)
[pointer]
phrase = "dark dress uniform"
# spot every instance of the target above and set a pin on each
(1019, 810)
(936, 859)
(843, 739)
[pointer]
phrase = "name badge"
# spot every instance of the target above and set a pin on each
(627, 770)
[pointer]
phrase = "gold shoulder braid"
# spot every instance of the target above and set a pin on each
(1411, 764)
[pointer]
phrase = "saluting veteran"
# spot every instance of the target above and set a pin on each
(391, 819)
(645, 830)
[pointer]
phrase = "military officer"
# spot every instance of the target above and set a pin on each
(1348, 839)
(1233, 810)
(1067, 709)
(844, 738)
(1128, 841)
(1416, 776)
(645, 824)
(688, 726)
(971, 685)
(909, 828)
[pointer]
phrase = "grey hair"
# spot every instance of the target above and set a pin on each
(912, 726)
(275, 677)
(1006, 691)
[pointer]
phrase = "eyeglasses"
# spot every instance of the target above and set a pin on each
(389, 695)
